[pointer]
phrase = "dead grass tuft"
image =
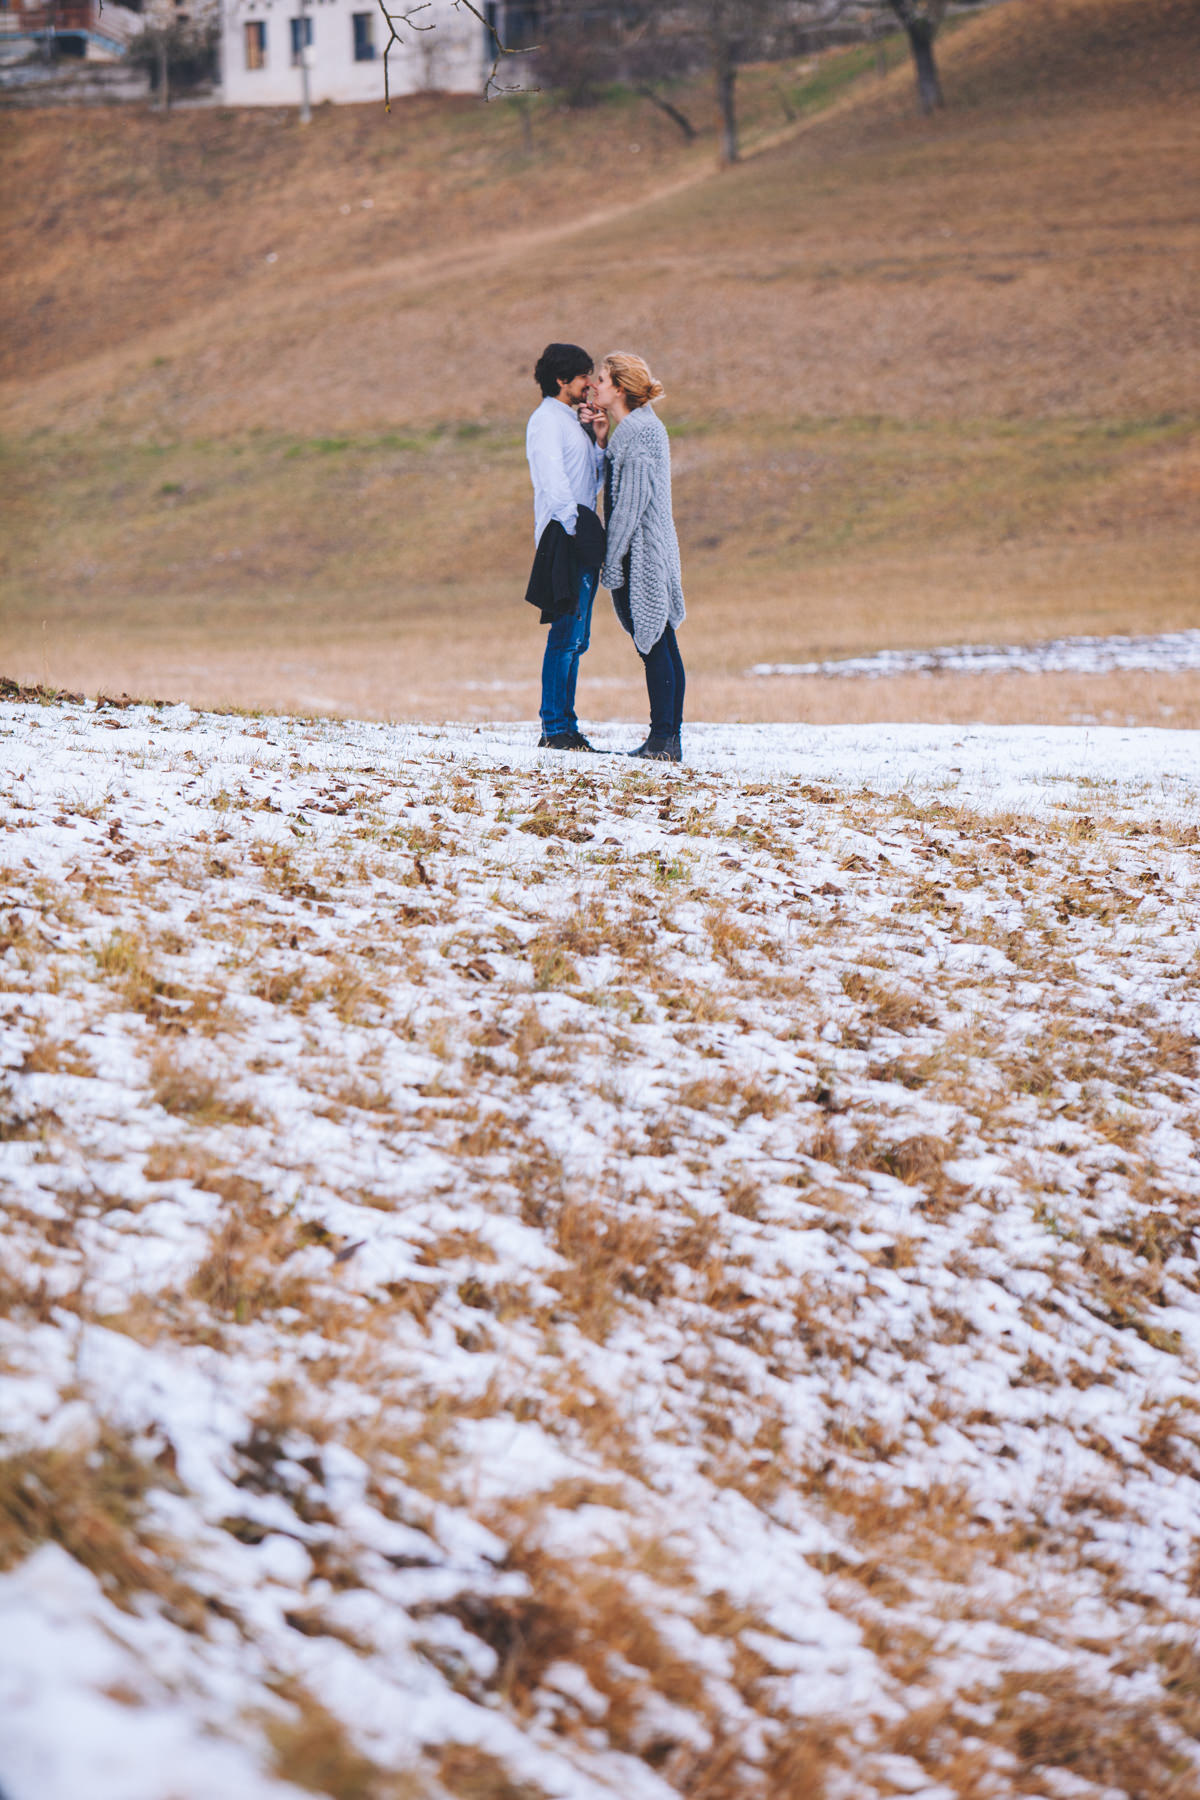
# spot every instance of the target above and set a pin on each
(727, 938)
(344, 987)
(313, 1750)
(742, 1096)
(1172, 1438)
(47, 1055)
(127, 964)
(550, 821)
(469, 1773)
(609, 1255)
(243, 1276)
(180, 1162)
(552, 966)
(918, 1160)
(890, 1008)
(1052, 1721)
(191, 1093)
(90, 1501)
(580, 1613)
(800, 1762)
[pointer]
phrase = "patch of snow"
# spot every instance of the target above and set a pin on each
(1162, 653)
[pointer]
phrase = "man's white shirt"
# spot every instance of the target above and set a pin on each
(566, 466)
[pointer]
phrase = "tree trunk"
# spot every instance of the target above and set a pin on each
(164, 76)
(673, 113)
(726, 73)
(929, 87)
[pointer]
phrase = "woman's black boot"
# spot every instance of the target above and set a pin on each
(659, 749)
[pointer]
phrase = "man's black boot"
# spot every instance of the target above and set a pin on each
(565, 740)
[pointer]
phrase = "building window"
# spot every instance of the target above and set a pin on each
(517, 26)
(256, 44)
(301, 37)
(364, 37)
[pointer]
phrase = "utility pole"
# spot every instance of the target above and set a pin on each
(305, 65)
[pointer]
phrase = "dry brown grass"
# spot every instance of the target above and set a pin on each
(800, 1342)
(973, 272)
(90, 1501)
(890, 1008)
(1053, 1721)
(51, 1055)
(189, 1091)
(609, 1254)
(585, 1615)
(313, 1750)
(244, 1276)
(469, 1773)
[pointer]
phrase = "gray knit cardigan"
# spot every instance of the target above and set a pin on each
(641, 527)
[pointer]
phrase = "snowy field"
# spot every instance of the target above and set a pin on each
(531, 1278)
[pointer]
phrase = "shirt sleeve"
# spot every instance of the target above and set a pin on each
(544, 448)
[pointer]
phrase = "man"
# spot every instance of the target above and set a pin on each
(566, 464)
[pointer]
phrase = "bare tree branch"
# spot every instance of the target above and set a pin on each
(405, 21)
(492, 86)
(656, 99)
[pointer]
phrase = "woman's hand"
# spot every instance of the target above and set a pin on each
(597, 418)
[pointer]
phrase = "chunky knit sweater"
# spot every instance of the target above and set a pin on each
(640, 527)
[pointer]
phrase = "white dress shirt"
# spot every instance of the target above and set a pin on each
(566, 466)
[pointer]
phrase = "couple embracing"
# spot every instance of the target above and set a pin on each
(592, 431)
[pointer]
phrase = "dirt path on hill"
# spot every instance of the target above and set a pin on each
(39, 403)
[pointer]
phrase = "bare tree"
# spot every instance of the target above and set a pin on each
(646, 45)
(179, 50)
(738, 31)
(589, 42)
(733, 33)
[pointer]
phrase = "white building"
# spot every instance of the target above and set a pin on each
(66, 29)
(264, 43)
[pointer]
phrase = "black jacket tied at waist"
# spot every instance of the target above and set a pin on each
(560, 560)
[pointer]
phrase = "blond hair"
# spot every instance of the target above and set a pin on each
(632, 375)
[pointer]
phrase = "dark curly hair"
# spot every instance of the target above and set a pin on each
(560, 362)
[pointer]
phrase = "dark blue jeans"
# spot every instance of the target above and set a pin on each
(566, 642)
(665, 683)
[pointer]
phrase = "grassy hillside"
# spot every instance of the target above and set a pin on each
(927, 380)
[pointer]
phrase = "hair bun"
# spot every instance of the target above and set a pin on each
(632, 375)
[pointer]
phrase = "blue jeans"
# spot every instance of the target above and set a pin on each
(566, 642)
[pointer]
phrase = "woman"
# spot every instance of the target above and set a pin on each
(642, 566)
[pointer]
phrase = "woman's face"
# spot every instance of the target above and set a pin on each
(606, 390)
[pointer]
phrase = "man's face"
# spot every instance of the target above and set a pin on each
(574, 392)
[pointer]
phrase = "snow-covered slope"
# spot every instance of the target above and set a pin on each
(542, 1277)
